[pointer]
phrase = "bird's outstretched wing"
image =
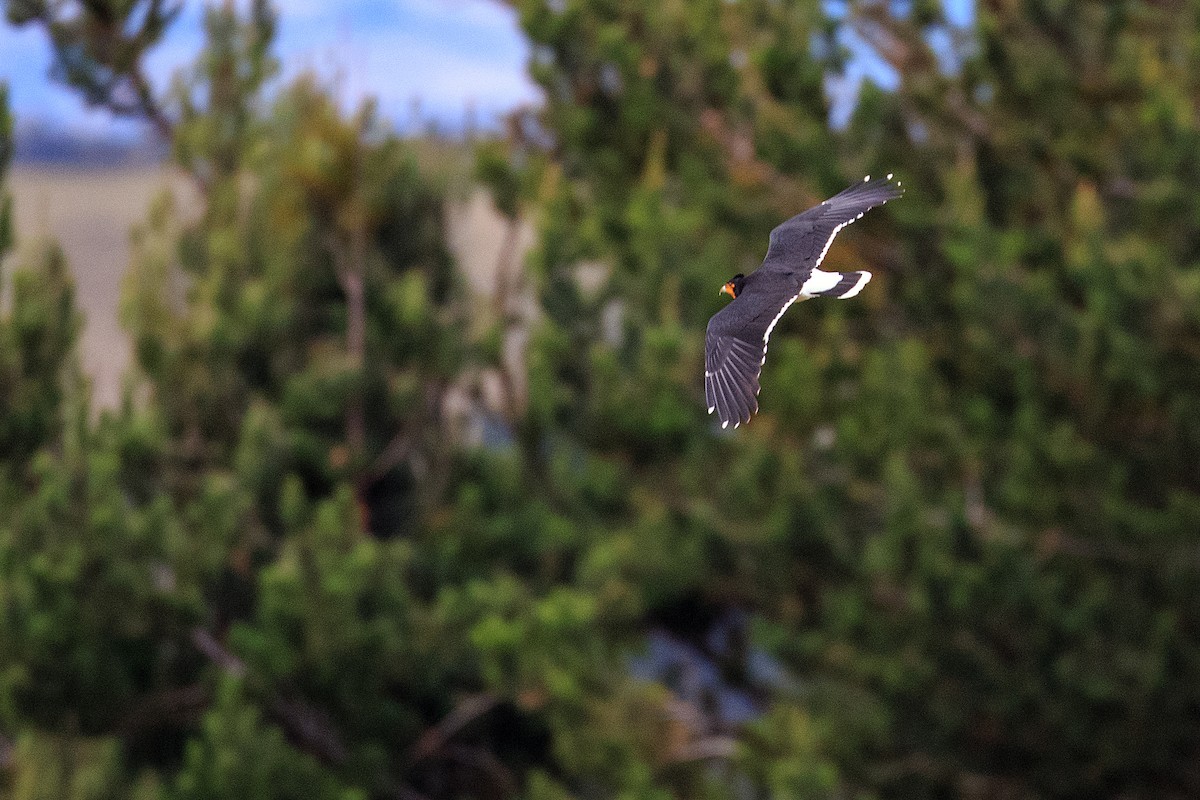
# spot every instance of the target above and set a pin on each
(800, 244)
(733, 360)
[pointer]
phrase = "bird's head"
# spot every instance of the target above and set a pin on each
(733, 287)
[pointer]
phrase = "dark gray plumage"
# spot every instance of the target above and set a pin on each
(736, 341)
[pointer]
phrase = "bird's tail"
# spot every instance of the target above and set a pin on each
(834, 284)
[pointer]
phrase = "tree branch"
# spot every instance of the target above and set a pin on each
(463, 714)
(308, 727)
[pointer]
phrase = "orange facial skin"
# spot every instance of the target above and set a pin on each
(729, 290)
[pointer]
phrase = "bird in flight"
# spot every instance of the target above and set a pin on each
(735, 346)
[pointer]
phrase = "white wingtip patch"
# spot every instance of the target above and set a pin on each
(866, 179)
(724, 425)
(712, 409)
(889, 176)
(858, 287)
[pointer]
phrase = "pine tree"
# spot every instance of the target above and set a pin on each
(91, 610)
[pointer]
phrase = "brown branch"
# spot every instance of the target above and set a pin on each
(899, 43)
(889, 37)
(463, 714)
(311, 729)
(396, 451)
(402, 445)
(151, 109)
(502, 303)
(211, 649)
(308, 727)
(114, 40)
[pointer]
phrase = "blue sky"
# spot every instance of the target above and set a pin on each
(447, 54)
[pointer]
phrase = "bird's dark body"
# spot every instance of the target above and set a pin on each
(737, 336)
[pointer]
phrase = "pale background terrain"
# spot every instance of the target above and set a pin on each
(91, 212)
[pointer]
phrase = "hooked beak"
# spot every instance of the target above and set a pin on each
(728, 289)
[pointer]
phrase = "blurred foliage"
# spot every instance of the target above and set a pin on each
(954, 556)
(6, 151)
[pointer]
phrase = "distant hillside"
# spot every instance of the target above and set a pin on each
(40, 144)
(43, 145)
